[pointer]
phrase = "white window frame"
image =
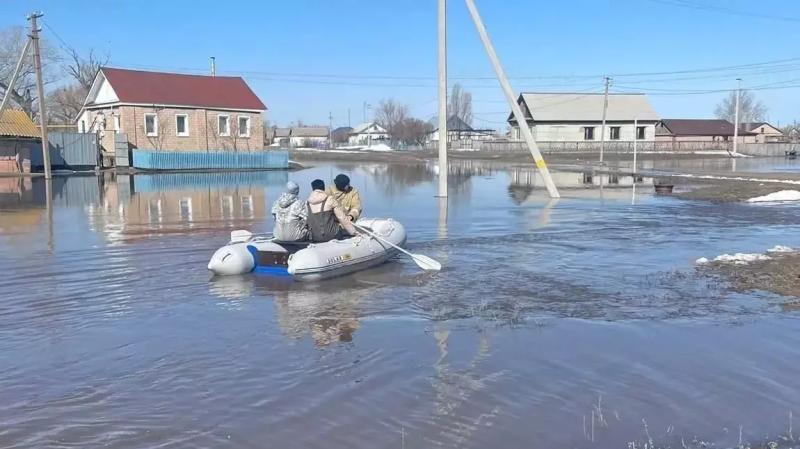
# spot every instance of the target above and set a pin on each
(644, 132)
(117, 123)
(155, 122)
(186, 123)
(586, 131)
(239, 127)
(611, 134)
(228, 121)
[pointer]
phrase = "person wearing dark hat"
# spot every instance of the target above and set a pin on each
(325, 218)
(346, 195)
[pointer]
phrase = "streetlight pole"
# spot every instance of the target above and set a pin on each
(603, 124)
(442, 98)
(736, 117)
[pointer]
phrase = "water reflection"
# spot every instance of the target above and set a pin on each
(300, 310)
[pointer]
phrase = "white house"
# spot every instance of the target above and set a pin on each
(301, 136)
(577, 117)
(367, 133)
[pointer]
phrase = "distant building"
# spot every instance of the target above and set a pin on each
(764, 132)
(699, 130)
(458, 129)
(366, 133)
(578, 117)
(341, 134)
(18, 137)
(173, 112)
(301, 137)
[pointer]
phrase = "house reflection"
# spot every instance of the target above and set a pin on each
(19, 210)
(179, 202)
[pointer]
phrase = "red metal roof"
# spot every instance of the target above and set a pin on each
(224, 92)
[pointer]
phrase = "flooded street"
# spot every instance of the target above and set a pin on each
(577, 322)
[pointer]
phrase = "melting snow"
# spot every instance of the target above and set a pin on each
(780, 249)
(745, 258)
(783, 195)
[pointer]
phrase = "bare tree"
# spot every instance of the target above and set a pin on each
(413, 131)
(162, 128)
(460, 104)
(750, 108)
(389, 114)
(23, 93)
(64, 104)
(84, 69)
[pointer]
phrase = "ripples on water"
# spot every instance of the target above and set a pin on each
(112, 332)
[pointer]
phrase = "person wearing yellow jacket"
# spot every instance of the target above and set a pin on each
(347, 196)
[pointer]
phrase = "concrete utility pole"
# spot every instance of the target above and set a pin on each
(213, 66)
(37, 65)
(736, 117)
(603, 125)
(366, 106)
(509, 93)
(635, 139)
(330, 129)
(442, 98)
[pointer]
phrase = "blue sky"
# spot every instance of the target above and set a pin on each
(309, 58)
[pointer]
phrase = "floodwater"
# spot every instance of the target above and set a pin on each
(577, 322)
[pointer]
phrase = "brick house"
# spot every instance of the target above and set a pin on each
(173, 112)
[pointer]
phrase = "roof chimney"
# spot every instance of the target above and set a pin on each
(213, 66)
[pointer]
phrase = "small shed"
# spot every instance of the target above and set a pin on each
(19, 136)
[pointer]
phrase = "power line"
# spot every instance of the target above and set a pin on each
(724, 10)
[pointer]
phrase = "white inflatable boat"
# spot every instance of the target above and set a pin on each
(307, 261)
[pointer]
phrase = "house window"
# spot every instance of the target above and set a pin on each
(588, 133)
(83, 126)
(244, 126)
(117, 124)
(151, 124)
(614, 133)
(182, 125)
(640, 132)
(224, 125)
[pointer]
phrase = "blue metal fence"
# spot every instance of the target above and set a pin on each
(181, 160)
(69, 150)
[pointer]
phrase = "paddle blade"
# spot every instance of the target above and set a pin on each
(426, 263)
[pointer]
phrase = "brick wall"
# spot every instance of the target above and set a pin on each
(202, 129)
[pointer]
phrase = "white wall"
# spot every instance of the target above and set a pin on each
(363, 139)
(573, 132)
(300, 141)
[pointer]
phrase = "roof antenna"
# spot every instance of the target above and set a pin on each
(213, 66)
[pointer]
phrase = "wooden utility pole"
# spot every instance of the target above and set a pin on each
(509, 93)
(603, 124)
(736, 117)
(442, 98)
(37, 65)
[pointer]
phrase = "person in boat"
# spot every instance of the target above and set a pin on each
(325, 218)
(346, 195)
(290, 215)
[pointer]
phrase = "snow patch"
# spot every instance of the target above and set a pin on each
(781, 249)
(741, 258)
(379, 147)
(701, 261)
(783, 195)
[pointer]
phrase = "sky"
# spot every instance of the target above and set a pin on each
(322, 61)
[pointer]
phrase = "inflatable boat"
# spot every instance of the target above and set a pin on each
(307, 261)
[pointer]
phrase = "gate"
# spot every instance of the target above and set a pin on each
(71, 151)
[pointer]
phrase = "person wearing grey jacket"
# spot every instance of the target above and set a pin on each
(290, 215)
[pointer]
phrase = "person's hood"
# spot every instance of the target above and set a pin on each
(317, 197)
(286, 199)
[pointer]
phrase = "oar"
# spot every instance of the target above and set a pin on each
(422, 261)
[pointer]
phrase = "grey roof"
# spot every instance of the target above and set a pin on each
(282, 132)
(456, 124)
(310, 131)
(565, 107)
